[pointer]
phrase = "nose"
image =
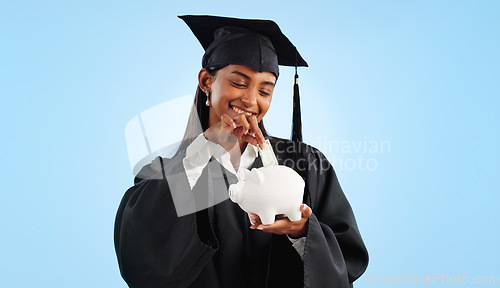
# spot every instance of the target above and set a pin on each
(249, 98)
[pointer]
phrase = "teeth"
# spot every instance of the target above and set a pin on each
(239, 111)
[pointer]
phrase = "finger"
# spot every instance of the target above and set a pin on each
(241, 121)
(227, 122)
(227, 126)
(306, 211)
(221, 132)
(252, 219)
(255, 220)
(250, 139)
(239, 132)
(256, 130)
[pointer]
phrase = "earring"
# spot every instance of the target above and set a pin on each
(208, 100)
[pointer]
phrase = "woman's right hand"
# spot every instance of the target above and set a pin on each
(229, 131)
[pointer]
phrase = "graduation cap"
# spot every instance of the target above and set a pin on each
(259, 44)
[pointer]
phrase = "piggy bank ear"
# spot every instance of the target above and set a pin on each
(245, 174)
(259, 176)
(233, 191)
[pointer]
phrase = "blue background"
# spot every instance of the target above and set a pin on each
(422, 76)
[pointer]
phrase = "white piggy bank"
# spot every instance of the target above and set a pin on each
(269, 191)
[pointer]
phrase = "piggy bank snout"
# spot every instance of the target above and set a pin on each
(234, 189)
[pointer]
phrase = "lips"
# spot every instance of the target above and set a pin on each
(241, 111)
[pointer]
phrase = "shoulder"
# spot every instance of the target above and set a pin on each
(154, 170)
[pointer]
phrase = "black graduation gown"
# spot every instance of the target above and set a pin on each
(216, 248)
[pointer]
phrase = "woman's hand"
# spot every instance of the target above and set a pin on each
(229, 131)
(283, 225)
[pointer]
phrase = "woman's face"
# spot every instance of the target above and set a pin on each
(237, 89)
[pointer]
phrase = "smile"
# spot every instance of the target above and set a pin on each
(240, 111)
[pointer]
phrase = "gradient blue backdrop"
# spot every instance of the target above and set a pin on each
(420, 76)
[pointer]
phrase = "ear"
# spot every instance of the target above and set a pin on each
(205, 80)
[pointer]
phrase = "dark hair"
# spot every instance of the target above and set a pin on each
(199, 115)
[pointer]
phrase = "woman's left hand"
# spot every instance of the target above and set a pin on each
(283, 225)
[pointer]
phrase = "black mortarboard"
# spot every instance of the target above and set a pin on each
(259, 44)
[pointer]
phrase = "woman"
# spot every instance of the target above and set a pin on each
(176, 227)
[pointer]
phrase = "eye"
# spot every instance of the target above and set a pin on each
(238, 85)
(264, 93)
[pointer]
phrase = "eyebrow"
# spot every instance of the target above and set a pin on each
(248, 77)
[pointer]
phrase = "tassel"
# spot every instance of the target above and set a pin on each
(296, 119)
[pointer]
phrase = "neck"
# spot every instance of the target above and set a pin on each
(243, 145)
(235, 154)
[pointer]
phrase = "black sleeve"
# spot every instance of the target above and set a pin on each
(155, 248)
(334, 254)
